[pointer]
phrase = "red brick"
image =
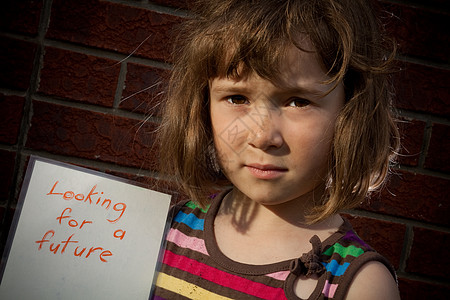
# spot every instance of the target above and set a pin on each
(423, 89)
(385, 237)
(79, 77)
(412, 289)
(113, 26)
(419, 32)
(414, 196)
(159, 185)
(412, 132)
(137, 179)
(10, 118)
(438, 157)
(7, 162)
(16, 63)
(20, 16)
(86, 134)
(144, 88)
(429, 253)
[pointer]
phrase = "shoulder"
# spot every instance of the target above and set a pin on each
(187, 207)
(188, 213)
(373, 281)
(359, 271)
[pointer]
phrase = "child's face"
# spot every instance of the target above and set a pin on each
(273, 141)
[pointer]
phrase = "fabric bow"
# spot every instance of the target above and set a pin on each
(309, 263)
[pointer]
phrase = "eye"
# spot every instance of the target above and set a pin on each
(237, 99)
(299, 102)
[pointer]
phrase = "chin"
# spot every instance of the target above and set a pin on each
(270, 199)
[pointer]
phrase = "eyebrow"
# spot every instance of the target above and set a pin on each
(231, 88)
(303, 90)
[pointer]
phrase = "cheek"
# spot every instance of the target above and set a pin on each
(220, 136)
(224, 155)
(231, 135)
(313, 146)
(323, 150)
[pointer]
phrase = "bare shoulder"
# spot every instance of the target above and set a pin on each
(373, 281)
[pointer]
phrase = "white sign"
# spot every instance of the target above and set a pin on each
(80, 234)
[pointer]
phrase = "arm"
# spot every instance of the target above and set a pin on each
(373, 281)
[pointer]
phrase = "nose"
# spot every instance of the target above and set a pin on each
(267, 131)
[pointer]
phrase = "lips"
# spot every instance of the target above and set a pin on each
(266, 171)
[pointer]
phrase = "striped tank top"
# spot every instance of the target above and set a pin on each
(194, 268)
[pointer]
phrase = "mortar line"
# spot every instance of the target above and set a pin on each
(98, 109)
(407, 245)
(178, 12)
(101, 166)
(120, 85)
(425, 144)
(398, 220)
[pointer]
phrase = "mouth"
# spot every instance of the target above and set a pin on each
(266, 171)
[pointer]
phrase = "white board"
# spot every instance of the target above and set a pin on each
(81, 234)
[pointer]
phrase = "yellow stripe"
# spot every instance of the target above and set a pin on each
(184, 288)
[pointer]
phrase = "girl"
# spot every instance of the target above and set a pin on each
(283, 106)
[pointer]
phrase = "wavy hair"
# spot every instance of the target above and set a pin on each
(233, 37)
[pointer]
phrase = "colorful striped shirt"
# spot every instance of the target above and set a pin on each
(193, 267)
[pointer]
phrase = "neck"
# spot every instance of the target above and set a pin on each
(263, 234)
(248, 215)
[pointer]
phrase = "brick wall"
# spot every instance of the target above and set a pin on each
(71, 91)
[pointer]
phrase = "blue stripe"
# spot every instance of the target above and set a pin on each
(190, 220)
(335, 268)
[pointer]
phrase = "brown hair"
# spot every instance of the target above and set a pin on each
(227, 36)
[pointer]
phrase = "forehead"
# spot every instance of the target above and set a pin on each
(282, 62)
(299, 71)
(300, 67)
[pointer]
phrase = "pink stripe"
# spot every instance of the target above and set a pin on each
(282, 275)
(181, 240)
(329, 289)
(222, 278)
